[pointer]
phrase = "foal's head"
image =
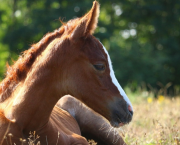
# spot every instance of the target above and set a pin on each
(85, 70)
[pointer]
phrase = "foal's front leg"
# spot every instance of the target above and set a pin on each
(91, 123)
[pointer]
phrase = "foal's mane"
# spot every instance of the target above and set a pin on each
(18, 71)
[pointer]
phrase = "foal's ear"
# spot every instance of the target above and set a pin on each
(87, 24)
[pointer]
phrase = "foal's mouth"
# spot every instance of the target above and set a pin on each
(119, 119)
(121, 114)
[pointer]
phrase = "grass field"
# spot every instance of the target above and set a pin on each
(155, 121)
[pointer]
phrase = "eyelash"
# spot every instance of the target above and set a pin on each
(100, 67)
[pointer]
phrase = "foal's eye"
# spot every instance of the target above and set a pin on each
(100, 67)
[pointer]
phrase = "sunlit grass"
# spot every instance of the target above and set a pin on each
(155, 121)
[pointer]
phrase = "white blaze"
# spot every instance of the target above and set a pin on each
(114, 80)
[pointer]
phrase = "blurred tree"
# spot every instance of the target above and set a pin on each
(142, 36)
(5, 21)
(156, 43)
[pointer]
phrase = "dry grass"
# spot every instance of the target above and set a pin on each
(92, 142)
(32, 140)
(155, 122)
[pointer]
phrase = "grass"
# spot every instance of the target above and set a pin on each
(155, 121)
(32, 140)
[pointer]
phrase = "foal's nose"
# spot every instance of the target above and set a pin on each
(130, 110)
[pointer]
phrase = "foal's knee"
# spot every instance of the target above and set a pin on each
(65, 102)
(69, 103)
(64, 99)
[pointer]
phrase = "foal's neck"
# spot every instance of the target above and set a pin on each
(34, 100)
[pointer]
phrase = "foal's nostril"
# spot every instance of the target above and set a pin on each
(130, 110)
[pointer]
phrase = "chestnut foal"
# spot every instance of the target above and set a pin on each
(68, 61)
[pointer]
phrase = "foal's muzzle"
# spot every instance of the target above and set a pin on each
(121, 113)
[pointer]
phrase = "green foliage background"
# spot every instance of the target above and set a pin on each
(143, 37)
